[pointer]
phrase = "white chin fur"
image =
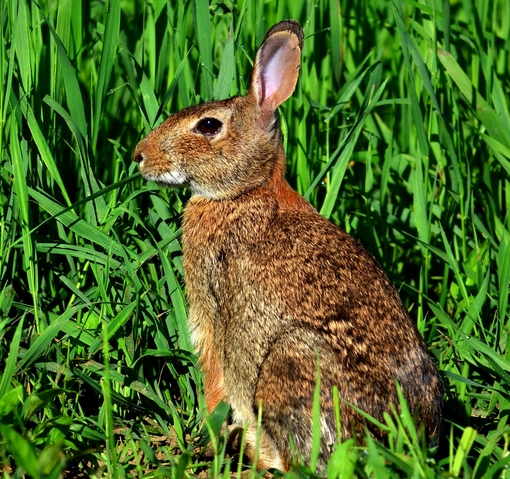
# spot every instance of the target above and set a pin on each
(170, 178)
(176, 179)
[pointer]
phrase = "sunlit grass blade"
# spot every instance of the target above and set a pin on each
(203, 35)
(227, 70)
(465, 445)
(21, 44)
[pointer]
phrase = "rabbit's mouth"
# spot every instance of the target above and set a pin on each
(175, 179)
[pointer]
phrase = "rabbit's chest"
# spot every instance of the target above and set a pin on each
(227, 303)
(218, 244)
(215, 277)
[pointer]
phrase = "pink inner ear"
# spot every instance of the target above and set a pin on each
(273, 73)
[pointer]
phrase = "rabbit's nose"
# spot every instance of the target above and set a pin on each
(139, 155)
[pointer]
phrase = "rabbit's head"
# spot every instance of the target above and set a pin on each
(223, 149)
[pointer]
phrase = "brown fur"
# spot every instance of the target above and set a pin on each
(272, 285)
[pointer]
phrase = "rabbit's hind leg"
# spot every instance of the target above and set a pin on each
(285, 391)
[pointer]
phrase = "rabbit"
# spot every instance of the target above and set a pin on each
(275, 291)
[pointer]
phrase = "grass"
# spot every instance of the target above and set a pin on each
(399, 132)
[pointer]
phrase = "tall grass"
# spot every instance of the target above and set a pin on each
(399, 132)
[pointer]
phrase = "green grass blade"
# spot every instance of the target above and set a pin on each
(465, 445)
(227, 70)
(21, 45)
(336, 38)
(149, 100)
(44, 149)
(421, 217)
(203, 36)
(503, 276)
(111, 38)
(21, 164)
(73, 92)
(12, 358)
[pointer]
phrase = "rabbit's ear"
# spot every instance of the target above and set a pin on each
(277, 65)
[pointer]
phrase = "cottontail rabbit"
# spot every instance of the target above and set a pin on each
(272, 286)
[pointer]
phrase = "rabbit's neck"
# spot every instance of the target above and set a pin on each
(282, 192)
(285, 196)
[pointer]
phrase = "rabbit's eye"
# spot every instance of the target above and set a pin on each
(208, 126)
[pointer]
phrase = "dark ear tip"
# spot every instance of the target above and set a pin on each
(288, 26)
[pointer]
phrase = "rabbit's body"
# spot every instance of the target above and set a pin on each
(274, 288)
(282, 317)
